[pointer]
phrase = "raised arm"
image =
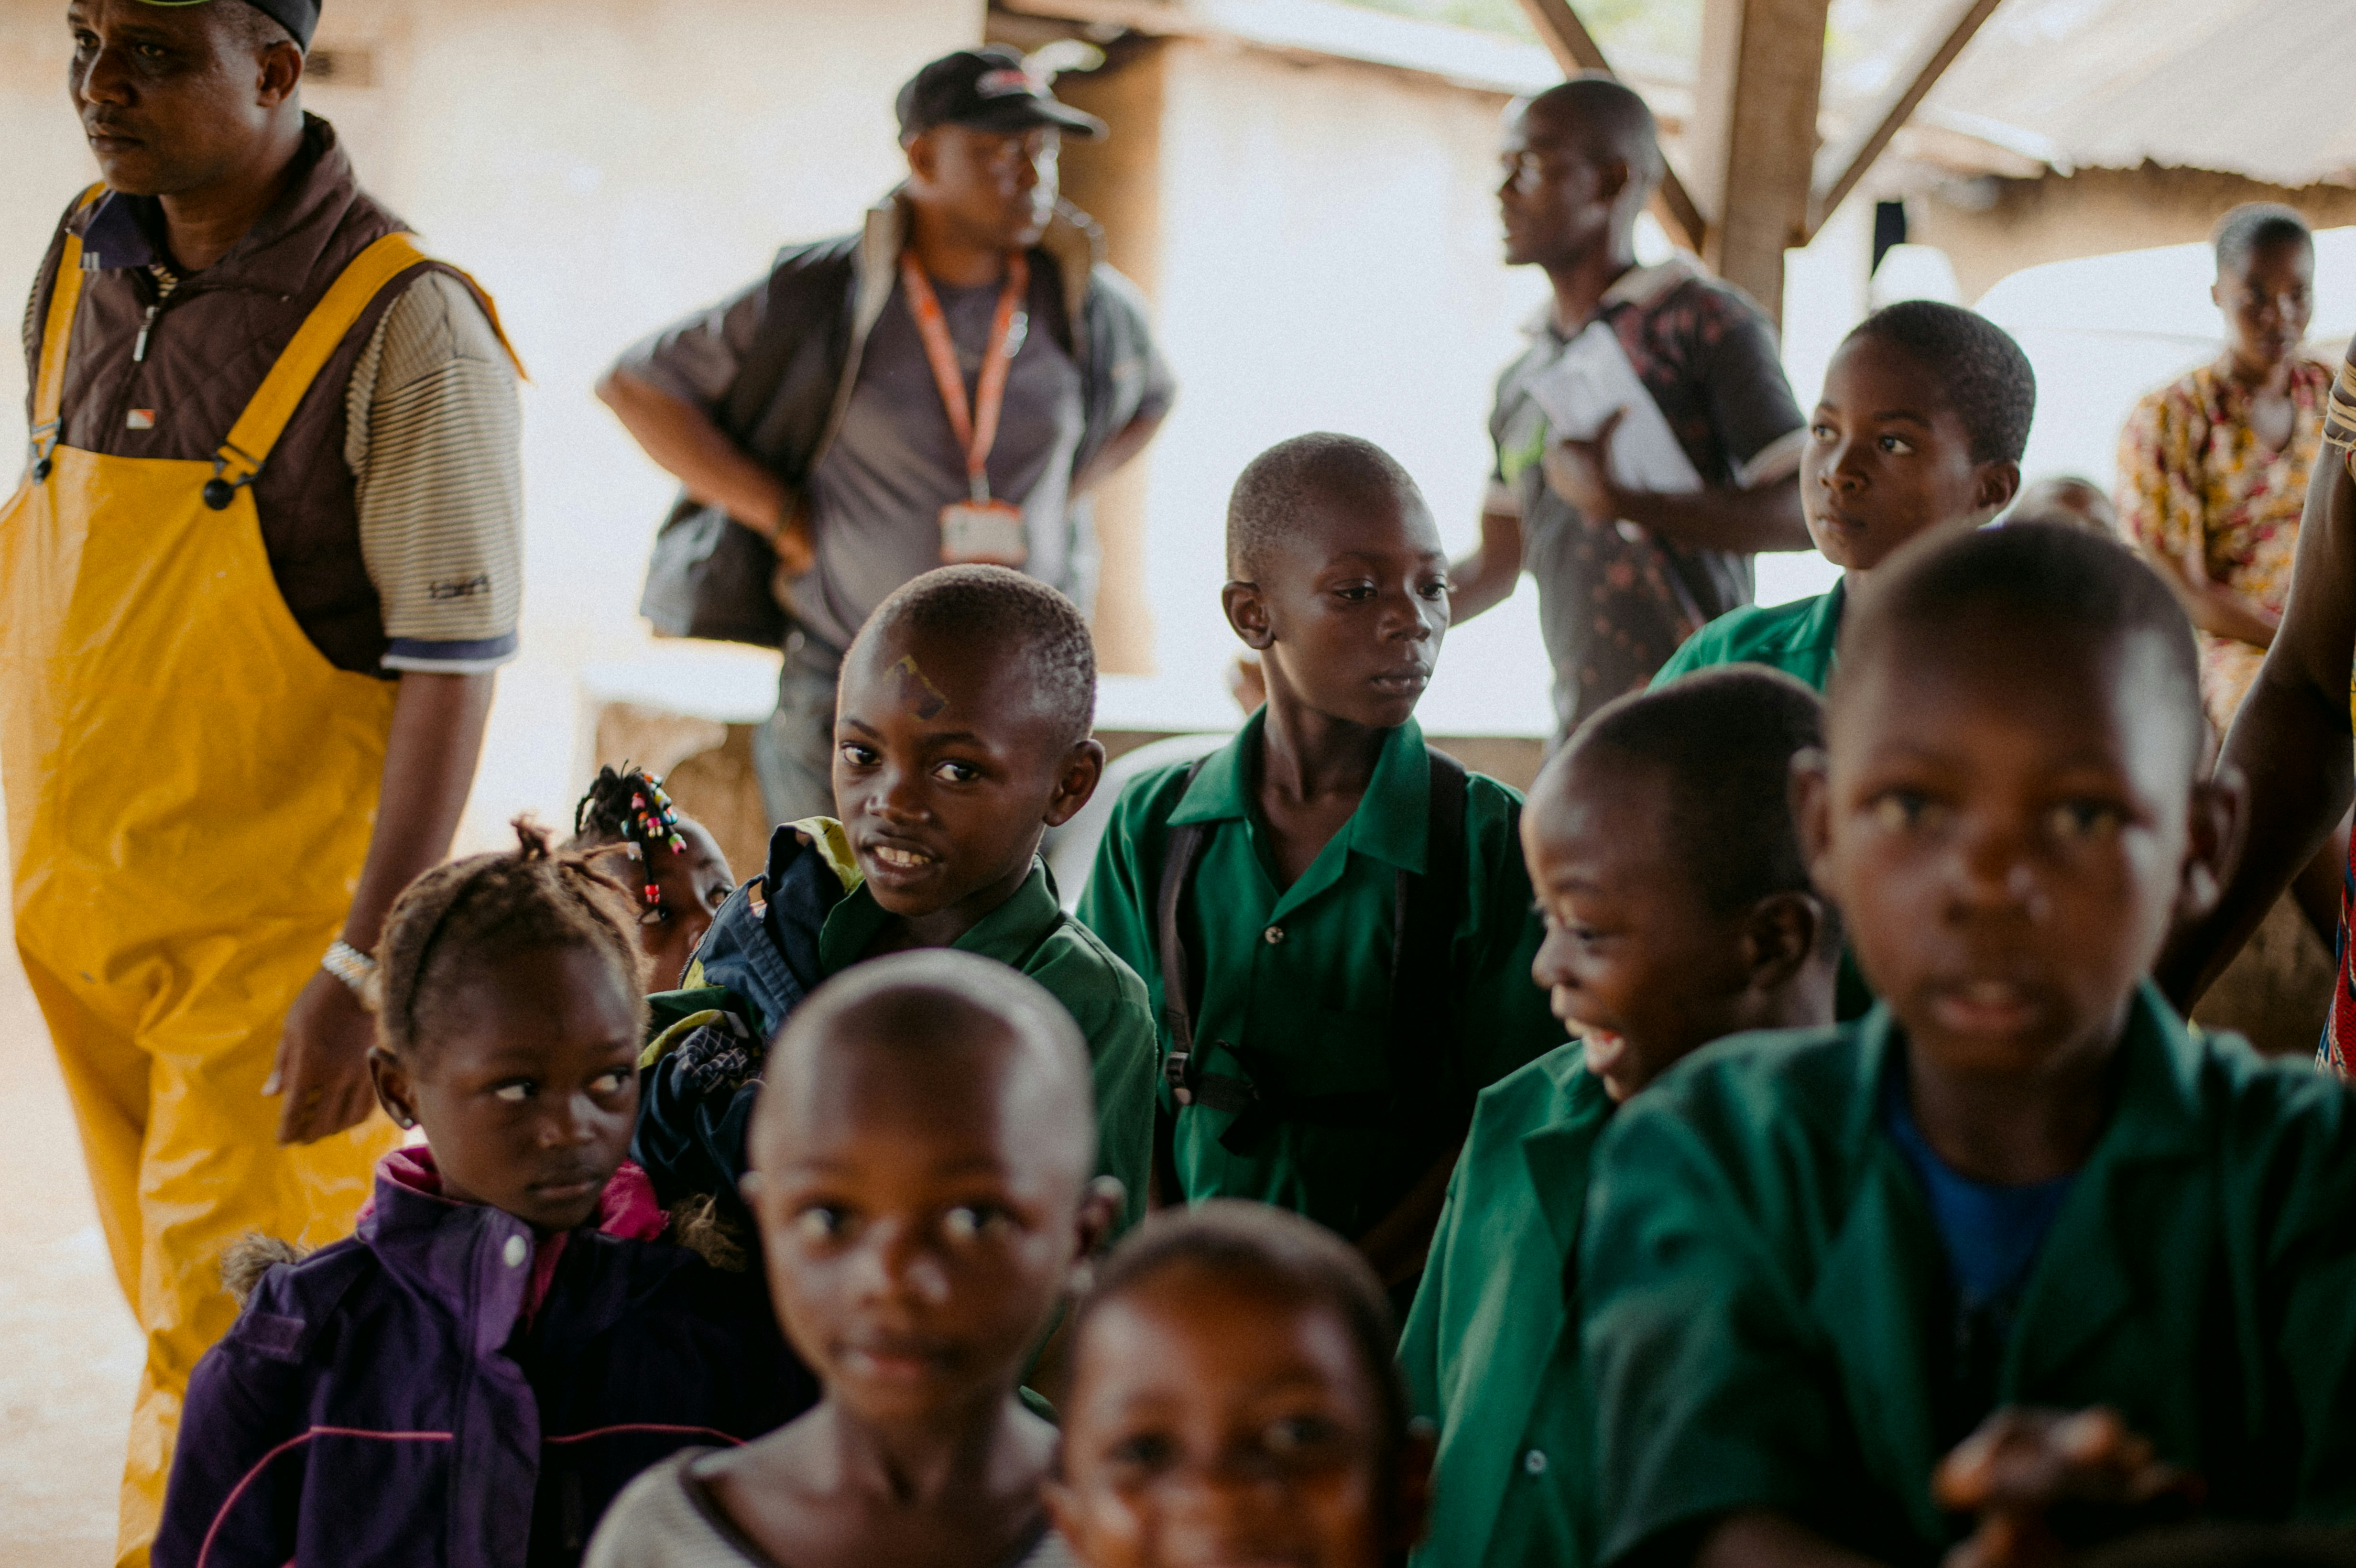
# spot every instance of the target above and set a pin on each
(2291, 739)
(683, 441)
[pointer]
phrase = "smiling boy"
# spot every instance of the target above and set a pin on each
(1677, 910)
(962, 733)
(1925, 416)
(1334, 919)
(1816, 1261)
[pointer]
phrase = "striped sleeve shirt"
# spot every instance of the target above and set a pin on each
(432, 426)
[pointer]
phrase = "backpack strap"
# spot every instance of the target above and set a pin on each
(1425, 988)
(1179, 856)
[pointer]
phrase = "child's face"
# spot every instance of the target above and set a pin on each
(692, 885)
(1636, 964)
(529, 1089)
(947, 767)
(2010, 822)
(1889, 459)
(1350, 610)
(1216, 1422)
(919, 1236)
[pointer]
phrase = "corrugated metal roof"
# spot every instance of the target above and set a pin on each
(2260, 88)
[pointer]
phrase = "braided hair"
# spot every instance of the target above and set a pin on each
(461, 917)
(630, 808)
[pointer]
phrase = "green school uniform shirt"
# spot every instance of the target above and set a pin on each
(1490, 1350)
(1104, 996)
(1296, 982)
(1797, 638)
(1767, 1316)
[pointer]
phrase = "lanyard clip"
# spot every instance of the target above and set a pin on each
(976, 485)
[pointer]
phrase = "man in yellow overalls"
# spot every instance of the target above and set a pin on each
(263, 562)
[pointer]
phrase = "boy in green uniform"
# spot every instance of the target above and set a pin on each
(1816, 1261)
(962, 732)
(1334, 922)
(1677, 910)
(1924, 416)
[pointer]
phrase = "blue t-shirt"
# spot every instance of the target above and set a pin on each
(1990, 1230)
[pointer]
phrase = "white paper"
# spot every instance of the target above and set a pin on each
(1590, 381)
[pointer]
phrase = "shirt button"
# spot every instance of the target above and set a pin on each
(515, 1251)
(1272, 935)
(1535, 1462)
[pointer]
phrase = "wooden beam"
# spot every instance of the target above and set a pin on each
(1575, 50)
(1840, 167)
(1753, 136)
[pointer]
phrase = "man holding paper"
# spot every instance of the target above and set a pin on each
(1648, 444)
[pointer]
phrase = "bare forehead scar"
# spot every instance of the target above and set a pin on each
(917, 694)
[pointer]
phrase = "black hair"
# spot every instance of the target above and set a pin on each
(929, 1000)
(2047, 580)
(1722, 740)
(998, 614)
(1974, 365)
(466, 914)
(1277, 487)
(629, 806)
(2253, 226)
(1256, 1245)
(1614, 118)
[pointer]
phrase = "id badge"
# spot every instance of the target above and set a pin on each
(984, 533)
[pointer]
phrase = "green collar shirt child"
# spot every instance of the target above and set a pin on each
(1798, 638)
(1764, 1288)
(1297, 995)
(1516, 1453)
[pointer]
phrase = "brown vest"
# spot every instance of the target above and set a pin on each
(207, 349)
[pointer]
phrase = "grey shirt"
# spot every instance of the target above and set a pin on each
(876, 496)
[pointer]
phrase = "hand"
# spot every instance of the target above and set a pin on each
(2023, 1465)
(1580, 473)
(1246, 683)
(795, 553)
(322, 1066)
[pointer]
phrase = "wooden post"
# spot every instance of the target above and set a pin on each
(1752, 140)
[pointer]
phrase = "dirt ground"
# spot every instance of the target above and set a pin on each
(71, 1353)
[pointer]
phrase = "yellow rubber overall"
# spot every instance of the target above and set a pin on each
(191, 790)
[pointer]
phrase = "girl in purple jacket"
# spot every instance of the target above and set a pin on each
(471, 1378)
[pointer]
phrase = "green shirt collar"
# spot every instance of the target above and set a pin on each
(2159, 1111)
(1011, 933)
(1392, 818)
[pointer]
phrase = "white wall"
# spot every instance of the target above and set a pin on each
(601, 166)
(1331, 262)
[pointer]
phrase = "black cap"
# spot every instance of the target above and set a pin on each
(300, 17)
(987, 90)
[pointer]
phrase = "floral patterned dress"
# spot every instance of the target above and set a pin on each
(2193, 475)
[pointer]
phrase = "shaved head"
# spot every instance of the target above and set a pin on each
(958, 1032)
(1604, 118)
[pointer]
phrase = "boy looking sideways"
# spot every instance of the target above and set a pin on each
(1817, 1261)
(962, 733)
(1925, 416)
(1677, 910)
(921, 1181)
(1334, 920)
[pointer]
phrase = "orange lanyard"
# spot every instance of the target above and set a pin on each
(975, 427)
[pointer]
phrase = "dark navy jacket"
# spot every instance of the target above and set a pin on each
(390, 1399)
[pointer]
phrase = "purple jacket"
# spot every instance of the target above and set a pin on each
(440, 1391)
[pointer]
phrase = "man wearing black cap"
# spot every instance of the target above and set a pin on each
(843, 407)
(265, 556)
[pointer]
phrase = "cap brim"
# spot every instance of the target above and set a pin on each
(1028, 113)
